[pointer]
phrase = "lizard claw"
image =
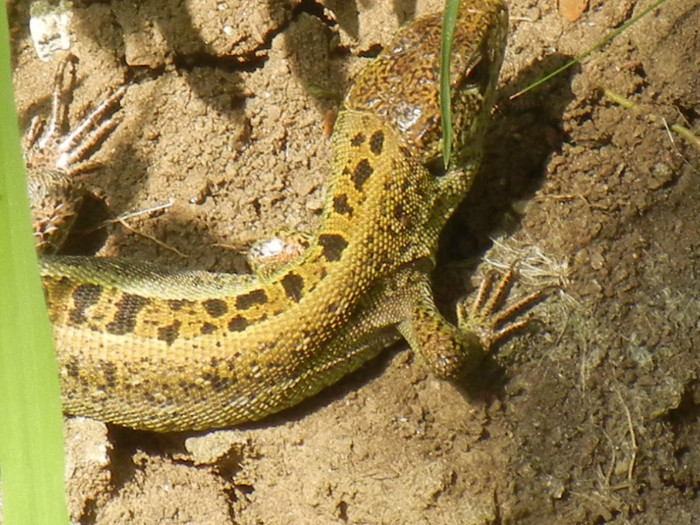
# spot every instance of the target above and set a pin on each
(489, 317)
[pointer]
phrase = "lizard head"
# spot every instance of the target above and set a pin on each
(401, 86)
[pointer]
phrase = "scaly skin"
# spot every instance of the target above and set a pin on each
(154, 349)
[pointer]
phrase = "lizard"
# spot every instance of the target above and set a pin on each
(151, 348)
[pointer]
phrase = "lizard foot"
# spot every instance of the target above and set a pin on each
(489, 317)
(55, 154)
(55, 147)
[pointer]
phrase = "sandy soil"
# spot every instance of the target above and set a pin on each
(590, 417)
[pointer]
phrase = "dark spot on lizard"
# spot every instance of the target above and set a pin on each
(333, 246)
(109, 372)
(376, 142)
(84, 296)
(245, 301)
(358, 139)
(178, 304)
(237, 324)
(215, 307)
(72, 367)
(128, 308)
(169, 333)
(341, 205)
(361, 173)
(293, 285)
(207, 328)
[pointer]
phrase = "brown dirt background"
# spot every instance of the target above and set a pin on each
(591, 417)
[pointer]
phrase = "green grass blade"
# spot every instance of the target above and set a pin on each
(31, 426)
(449, 20)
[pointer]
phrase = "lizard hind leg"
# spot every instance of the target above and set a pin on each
(56, 155)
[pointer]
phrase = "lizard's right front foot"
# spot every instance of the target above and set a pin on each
(487, 318)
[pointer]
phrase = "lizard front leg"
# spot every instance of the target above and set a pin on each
(450, 351)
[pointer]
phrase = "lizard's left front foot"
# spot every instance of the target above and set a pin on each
(487, 318)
